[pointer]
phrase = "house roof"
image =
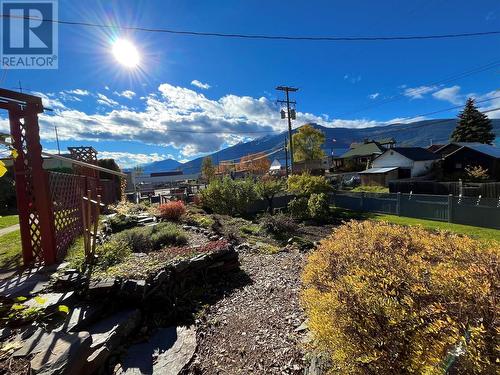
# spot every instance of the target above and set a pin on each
(482, 148)
(378, 170)
(415, 153)
(365, 149)
(434, 148)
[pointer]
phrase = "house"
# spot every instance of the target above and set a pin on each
(315, 167)
(359, 156)
(276, 169)
(459, 155)
(397, 163)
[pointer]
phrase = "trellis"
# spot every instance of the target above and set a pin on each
(49, 203)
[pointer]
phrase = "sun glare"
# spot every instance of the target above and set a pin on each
(126, 53)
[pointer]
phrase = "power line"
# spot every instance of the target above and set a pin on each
(266, 36)
(423, 87)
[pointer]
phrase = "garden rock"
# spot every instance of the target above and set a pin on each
(50, 300)
(167, 352)
(62, 354)
(80, 317)
(100, 288)
(112, 331)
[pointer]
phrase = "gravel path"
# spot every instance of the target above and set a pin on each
(256, 329)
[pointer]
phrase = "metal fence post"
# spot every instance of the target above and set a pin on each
(450, 208)
(398, 204)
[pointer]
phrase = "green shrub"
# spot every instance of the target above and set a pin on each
(167, 234)
(279, 225)
(121, 222)
(386, 299)
(298, 208)
(151, 238)
(317, 206)
(228, 196)
(112, 252)
(108, 254)
(199, 220)
(303, 185)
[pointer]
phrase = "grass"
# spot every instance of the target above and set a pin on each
(9, 220)
(10, 250)
(370, 189)
(476, 232)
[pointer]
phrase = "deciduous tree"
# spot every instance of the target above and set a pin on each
(207, 169)
(307, 143)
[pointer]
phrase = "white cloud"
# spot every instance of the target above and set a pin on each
(492, 104)
(78, 92)
(418, 92)
(128, 159)
(182, 118)
(129, 94)
(104, 100)
(200, 85)
(374, 95)
(353, 79)
(450, 94)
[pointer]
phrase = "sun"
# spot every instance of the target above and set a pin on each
(126, 53)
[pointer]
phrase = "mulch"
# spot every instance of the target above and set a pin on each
(256, 329)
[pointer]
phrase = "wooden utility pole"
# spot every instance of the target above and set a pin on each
(286, 157)
(290, 114)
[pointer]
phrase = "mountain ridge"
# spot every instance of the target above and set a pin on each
(419, 133)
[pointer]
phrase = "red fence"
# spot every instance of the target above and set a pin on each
(67, 191)
(49, 204)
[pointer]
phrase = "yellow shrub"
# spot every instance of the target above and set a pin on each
(387, 299)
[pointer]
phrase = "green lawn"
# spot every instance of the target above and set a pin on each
(478, 232)
(7, 221)
(10, 250)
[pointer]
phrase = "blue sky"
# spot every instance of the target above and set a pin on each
(223, 85)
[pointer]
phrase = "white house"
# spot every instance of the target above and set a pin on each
(411, 161)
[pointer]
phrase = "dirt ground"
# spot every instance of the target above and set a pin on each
(255, 329)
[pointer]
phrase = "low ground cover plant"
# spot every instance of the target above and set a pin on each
(120, 222)
(386, 299)
(152, 238)
(172, 210)
(108, 254)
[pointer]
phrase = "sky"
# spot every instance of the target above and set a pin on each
(189, 93)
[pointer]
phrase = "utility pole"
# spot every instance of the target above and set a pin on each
(286, 157)
(290, 114)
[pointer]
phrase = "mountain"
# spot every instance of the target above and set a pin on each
(162, 166)
(420, 133)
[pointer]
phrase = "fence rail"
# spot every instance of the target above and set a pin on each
(484, 189)
(481, 212)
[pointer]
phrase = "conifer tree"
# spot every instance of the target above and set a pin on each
(473, 126)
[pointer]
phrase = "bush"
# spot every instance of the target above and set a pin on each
(298, 208)
(279, 225)
(317, 207)
(386, 299)
(303, 185)
(146, 239)
(228, 196)
(172, 210)
(199, 220)
(108, 254)
(121, 222)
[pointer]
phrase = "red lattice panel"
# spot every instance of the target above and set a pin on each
(66, 191)
(87, 155)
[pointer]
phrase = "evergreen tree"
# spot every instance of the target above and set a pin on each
(473, 126)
